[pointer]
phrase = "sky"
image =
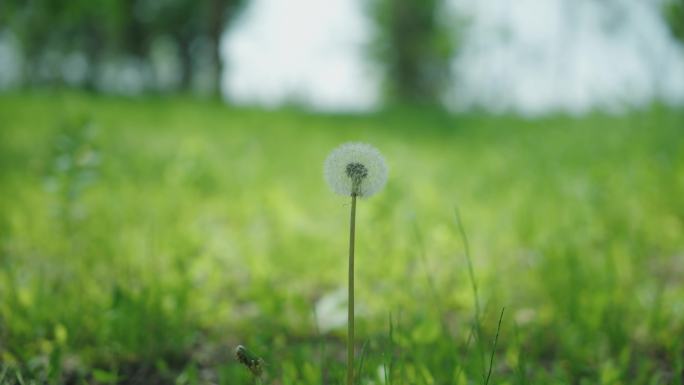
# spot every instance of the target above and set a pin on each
(527, 56)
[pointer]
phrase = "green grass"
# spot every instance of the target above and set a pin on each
(142, 240)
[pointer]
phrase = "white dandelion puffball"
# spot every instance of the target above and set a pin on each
(355, 169)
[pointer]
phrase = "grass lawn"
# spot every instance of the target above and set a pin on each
(142, 240)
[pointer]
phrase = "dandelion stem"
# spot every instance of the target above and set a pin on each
(350, 314)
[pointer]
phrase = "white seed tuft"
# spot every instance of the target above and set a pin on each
(355, 168)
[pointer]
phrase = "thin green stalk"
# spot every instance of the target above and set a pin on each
(522, 366)
(350, 314)
(364, 350)
(471, 273)
(389, 371)
(496, 339)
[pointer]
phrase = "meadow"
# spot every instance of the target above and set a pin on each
(142, 240)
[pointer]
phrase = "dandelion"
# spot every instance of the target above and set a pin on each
(355, 170)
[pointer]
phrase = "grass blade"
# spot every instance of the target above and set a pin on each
(363, 357)
(496, 339)
(473, 281)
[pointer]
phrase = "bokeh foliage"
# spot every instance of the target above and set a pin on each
(673, 12)
(141, 242)
(108, 31)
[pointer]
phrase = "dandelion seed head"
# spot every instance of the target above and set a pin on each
(355, 169)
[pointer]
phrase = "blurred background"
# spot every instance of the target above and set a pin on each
(531, 56)
(162, 197)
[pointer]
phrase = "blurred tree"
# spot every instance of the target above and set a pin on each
(50, 30)
(414, 46)
(196, 27)
(673, 10)
(89, 28)
(106, 30)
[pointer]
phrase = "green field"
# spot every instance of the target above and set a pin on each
(142, 240)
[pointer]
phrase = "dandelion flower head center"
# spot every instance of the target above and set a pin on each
(356, 171)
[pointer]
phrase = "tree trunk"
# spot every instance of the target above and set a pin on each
(186, 70)
(217, 10)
